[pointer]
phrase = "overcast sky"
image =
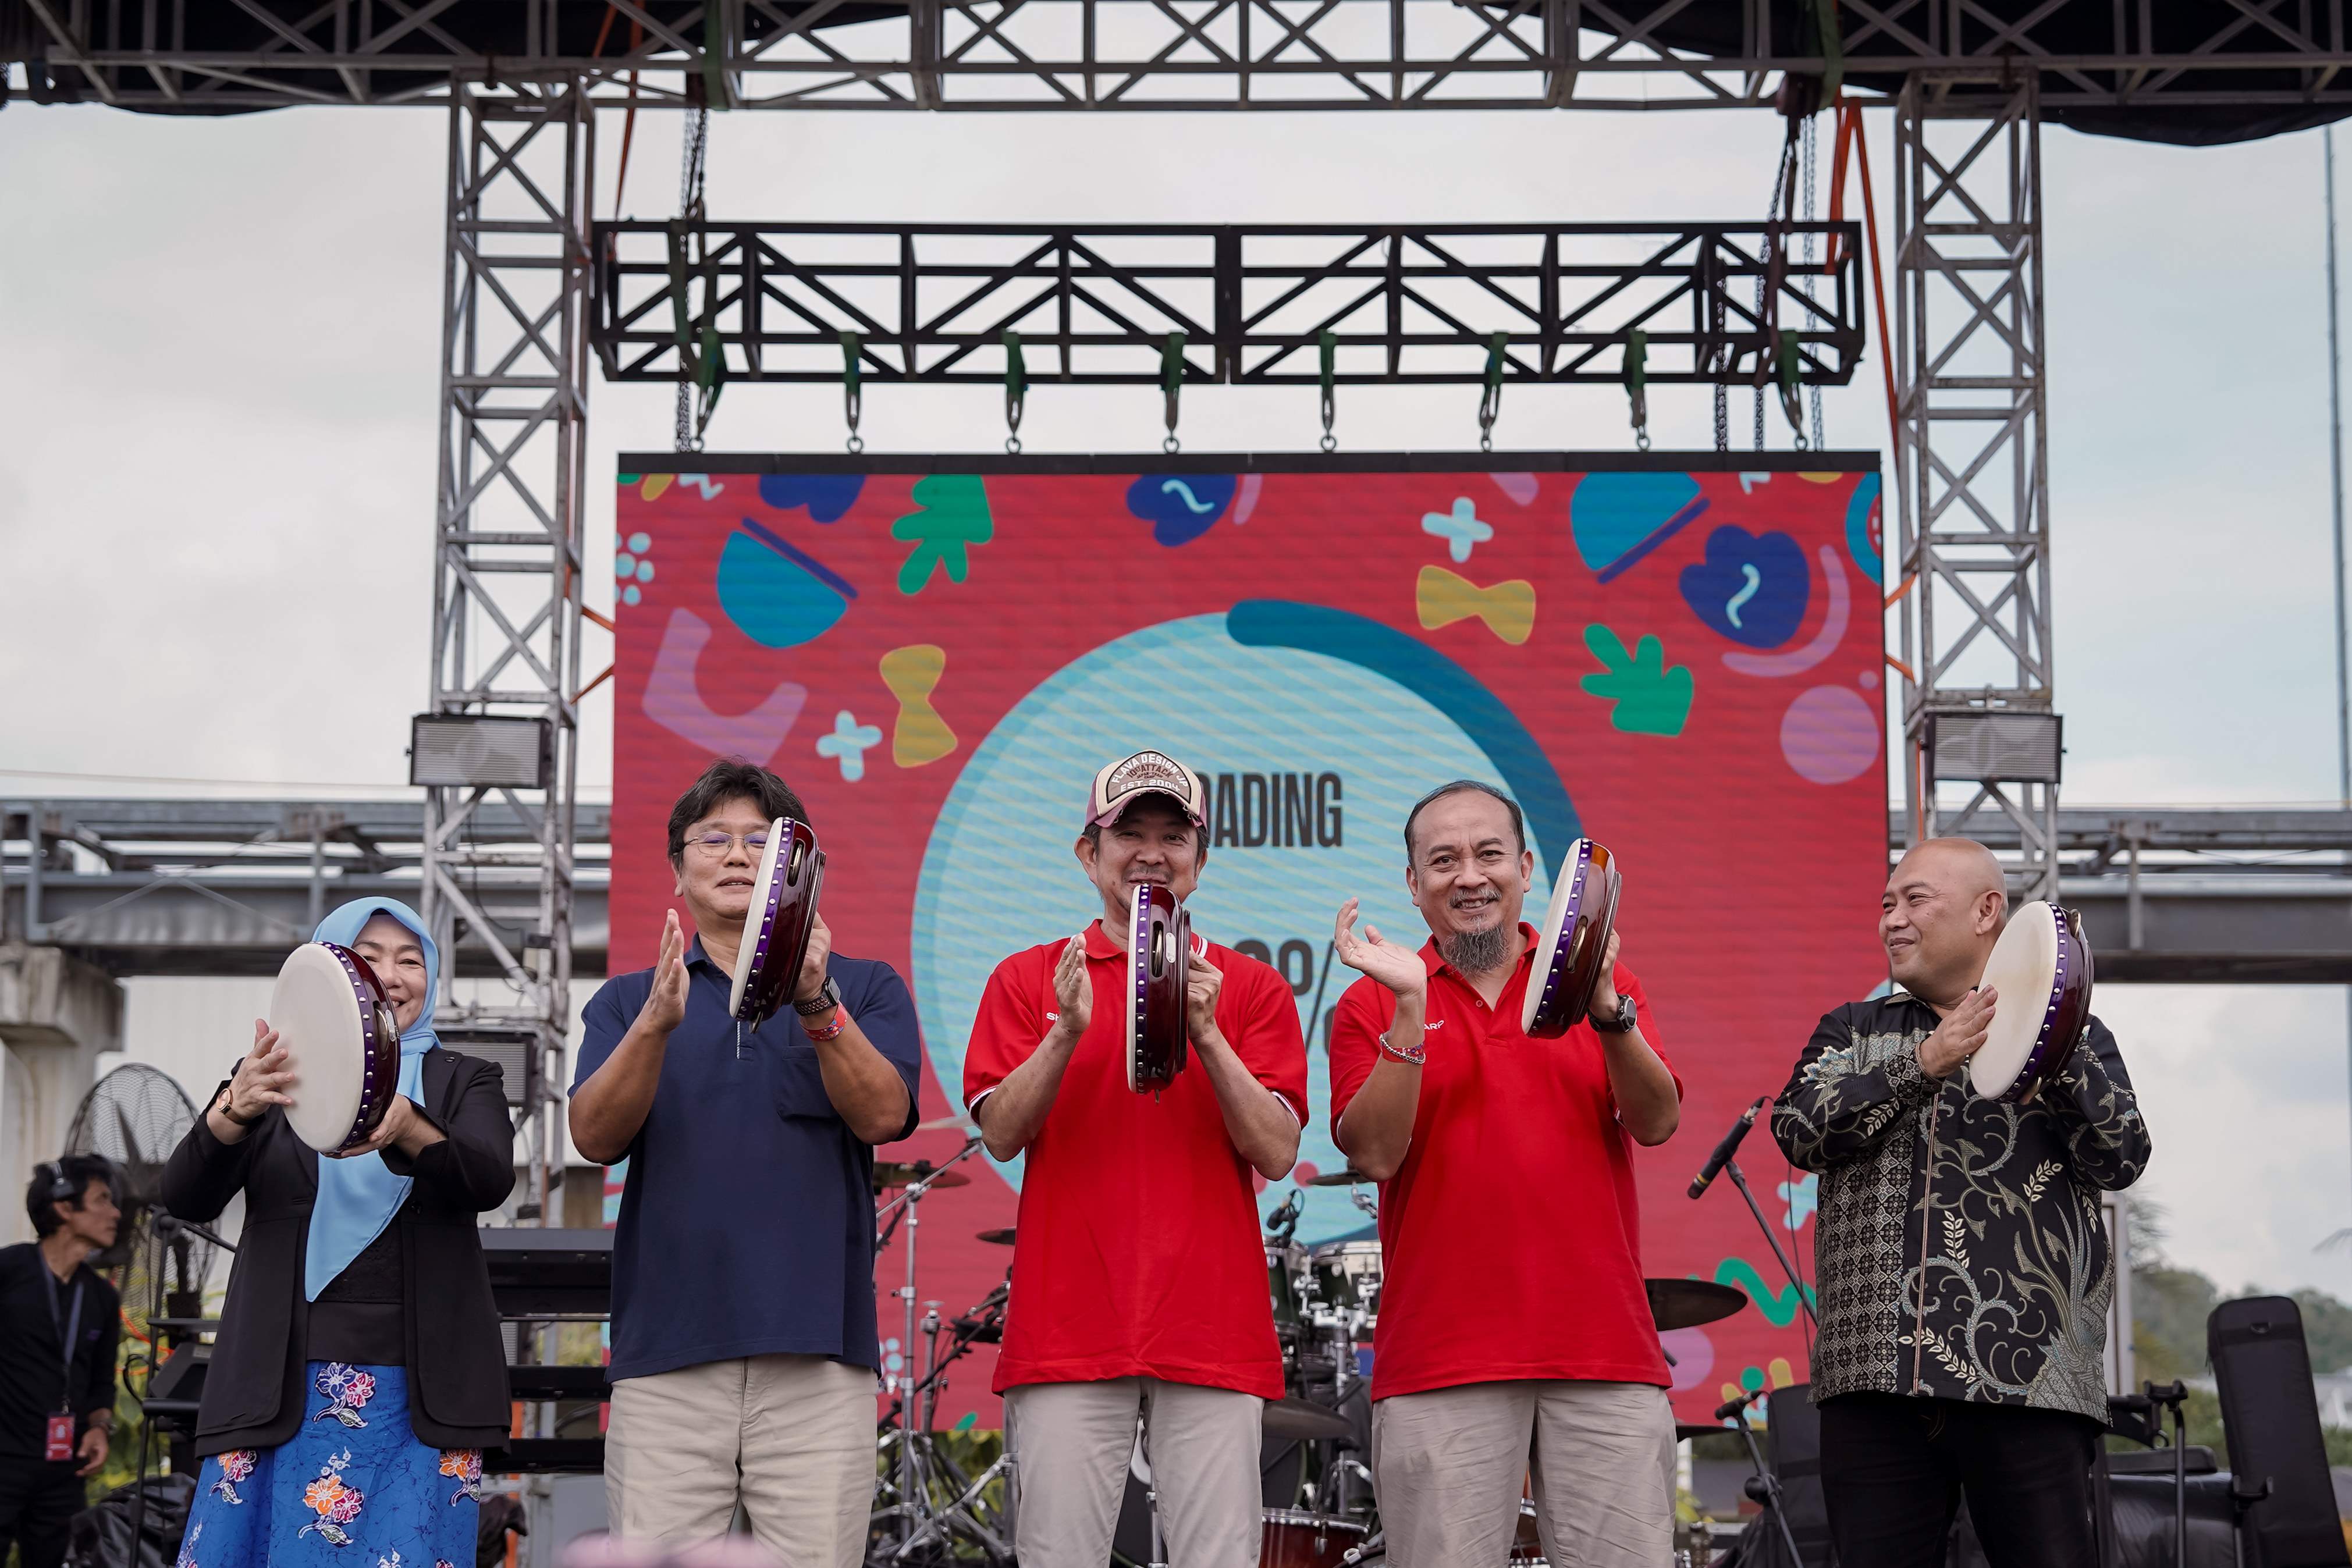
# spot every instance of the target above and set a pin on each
(217, 374)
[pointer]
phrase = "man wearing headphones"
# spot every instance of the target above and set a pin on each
(59, 1326)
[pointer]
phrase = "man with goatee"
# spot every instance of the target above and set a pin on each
(1507, 1200)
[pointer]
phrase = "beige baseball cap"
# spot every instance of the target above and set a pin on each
(1122, 783)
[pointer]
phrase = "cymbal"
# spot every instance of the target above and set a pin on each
(1339, 1178)
(1685, 1430)
(899, 1173)
(1687, 1303)
(1001, 1236)
(1297, 1418)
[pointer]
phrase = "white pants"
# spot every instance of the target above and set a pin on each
(1447, 1466)
(1071, 1443)
(790, 1436)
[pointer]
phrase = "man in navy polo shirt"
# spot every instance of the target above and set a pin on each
(743, 1340)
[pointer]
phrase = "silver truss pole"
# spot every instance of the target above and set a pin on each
(508, 555)
(1971, 469)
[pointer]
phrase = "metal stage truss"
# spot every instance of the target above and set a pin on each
(222, 887)
(932, 302)
(2145, 56)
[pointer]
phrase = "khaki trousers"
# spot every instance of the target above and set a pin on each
(790, 1436)
(1447, 1465)
(1071, 1444)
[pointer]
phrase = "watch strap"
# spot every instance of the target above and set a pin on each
(828, 998)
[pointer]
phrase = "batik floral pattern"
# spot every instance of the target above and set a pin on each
(1961, 1250)
(466, 1465)
(335, 1503)
(235, 1466)
(347, 1389)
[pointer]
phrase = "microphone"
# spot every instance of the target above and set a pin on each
(1731, 1407)
(1725, 1149)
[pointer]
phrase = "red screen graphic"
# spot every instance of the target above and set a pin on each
(1676, 657)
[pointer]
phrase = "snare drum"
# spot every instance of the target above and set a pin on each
(777, 927)
(342, 1042)
(1297, 1539)
(1348, 1276)
(2041, 970)
(1159, 951)
(1572, 942)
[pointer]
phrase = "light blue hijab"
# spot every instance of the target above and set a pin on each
(358, 1197)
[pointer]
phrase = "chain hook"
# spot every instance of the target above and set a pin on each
(1637, 380)
(853, 389)
(1171, 383)
(1490, 399)
(1016, 392)
(1329, 346)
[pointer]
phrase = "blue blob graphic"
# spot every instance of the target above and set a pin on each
(1618, 518)
(827, 496)
(1180, 508)
(1752, 588)
(1860, 507)
(777, 596)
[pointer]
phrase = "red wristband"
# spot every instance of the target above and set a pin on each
(1412, 1056)
(840, 1021)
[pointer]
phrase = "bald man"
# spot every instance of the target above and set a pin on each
(1965, 1273)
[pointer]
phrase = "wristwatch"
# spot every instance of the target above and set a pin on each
(1624, 1021)
(824, 1001)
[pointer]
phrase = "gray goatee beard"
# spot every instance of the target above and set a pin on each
(1475, 952)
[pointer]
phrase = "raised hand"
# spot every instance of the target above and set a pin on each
(812, 977)
(1604, 988)
(1202, 982)
(1961, 1034)
(665, 1006)
(262, 1077)
(1399, 968)
(1074, 994)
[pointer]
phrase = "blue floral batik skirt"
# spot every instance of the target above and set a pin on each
(353, 1487)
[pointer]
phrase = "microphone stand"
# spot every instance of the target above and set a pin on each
(1804, 1297)
(1763, 1488)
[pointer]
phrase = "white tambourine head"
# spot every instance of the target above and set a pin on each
(2021, 971)
(746, 946)
(317, 1018)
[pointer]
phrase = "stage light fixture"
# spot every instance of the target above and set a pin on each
(476, 751)
(1986, 746)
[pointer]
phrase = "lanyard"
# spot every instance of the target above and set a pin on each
(66, 1330)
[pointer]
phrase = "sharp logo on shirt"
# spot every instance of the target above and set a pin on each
(1275, 811)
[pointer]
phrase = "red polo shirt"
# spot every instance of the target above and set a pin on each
(1511, 1237)
(1138, 1251)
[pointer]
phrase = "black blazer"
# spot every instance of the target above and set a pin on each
(253, 1394)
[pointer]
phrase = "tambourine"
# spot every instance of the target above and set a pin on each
(782, 919)
(1572, 942)
(1158, 953)
(342, 1042)
(2040, 968)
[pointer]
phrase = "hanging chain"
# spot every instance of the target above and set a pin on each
(1775, 208)
(1813, 392)
(693, 146)
(1722, 417)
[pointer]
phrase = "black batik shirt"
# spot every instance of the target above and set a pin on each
(1961, 1252)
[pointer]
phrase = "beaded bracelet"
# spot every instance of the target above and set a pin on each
(840, 1021)
(1412, 1056)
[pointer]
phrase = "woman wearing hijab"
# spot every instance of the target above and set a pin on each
(358, 1372)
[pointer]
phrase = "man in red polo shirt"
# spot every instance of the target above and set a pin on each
(1139, 1274)
(1515, 1336)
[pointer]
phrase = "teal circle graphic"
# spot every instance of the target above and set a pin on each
(1000, 872)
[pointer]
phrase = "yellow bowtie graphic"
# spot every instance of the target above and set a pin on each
(912, 673)
(1509, 608)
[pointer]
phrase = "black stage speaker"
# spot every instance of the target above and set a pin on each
(1794, 1450)
(2271, 1418)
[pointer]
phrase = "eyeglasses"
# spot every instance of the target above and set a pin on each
(718, 843)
